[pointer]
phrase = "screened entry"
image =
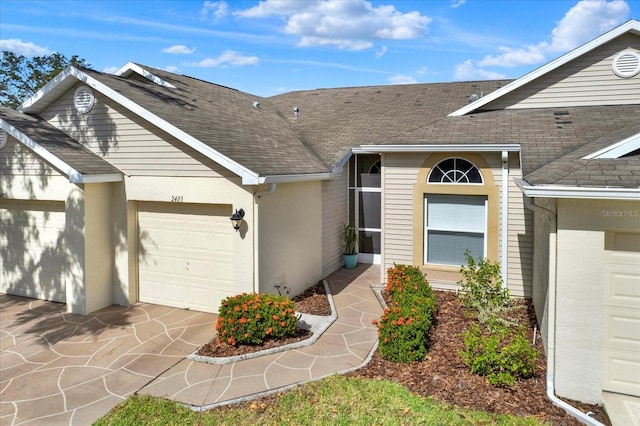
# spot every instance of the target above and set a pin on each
(365, 195)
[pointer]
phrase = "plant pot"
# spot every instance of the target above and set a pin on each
(350, 260)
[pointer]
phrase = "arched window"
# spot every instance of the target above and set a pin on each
(455, 170)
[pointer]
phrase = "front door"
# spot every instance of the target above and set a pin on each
(365, 196)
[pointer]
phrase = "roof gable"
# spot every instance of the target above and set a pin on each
(492, 100)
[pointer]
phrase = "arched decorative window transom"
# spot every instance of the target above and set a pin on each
(455, 170)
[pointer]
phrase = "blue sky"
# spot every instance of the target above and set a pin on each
(269, 47)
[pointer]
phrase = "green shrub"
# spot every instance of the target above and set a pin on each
(252, 318)
(483, 291)
(406, 279)
(500, 352)
(403, 330)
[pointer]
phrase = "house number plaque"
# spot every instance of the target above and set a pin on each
(177, 198)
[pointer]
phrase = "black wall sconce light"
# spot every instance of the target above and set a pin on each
(236, 219)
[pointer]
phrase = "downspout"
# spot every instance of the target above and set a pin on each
(256, 255)
(551, 321)
(505, 218)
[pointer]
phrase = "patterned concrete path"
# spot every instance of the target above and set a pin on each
(65, 369)
(345, 345)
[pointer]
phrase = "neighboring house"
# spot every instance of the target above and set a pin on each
(119, 188)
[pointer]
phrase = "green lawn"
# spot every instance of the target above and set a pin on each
(336, 400)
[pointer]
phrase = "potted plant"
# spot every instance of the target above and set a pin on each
(350, 243)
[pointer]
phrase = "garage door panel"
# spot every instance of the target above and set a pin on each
(33, 258)
(621, 313)
(187, 261)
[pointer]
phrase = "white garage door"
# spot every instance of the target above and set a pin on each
(32, 259)
(621, 320)
(185, 255)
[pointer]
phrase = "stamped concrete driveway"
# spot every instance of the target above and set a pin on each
(59, 368)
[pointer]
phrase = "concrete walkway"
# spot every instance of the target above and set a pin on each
(344, 346)
(58, 368)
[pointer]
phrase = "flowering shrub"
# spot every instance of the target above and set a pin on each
(252, 318)
(408, 279)
(403, 330)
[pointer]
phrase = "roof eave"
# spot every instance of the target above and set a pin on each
(72, 174)
(584, 192)
(628, 26)
(374, 149)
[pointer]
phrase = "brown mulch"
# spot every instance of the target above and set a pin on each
(443, 376)
(312, 301)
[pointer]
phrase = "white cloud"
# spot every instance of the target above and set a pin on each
(179, 49)
(228, 57)
(110, 70)
(172, 68)
(20, 47)
(457, 3)
(216, 9)
(401, 79)
(381, 52)
(468, 71)
(583, 22)
(349, 25)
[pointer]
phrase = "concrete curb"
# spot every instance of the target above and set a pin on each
(317, 324)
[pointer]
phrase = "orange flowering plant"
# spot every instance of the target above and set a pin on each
(251, 318)
(403, 330)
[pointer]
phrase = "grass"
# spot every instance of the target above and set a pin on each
(336, 400)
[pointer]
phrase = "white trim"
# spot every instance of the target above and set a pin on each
(561, 191)
(248, 177)
(292, 178)
(130, 67)
(74, 175)
(505, 220)
(376, 149)
(628, 26)
(618, 149)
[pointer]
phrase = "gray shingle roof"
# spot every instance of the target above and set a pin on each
(58, 143)
(332, 121)
(224, 119)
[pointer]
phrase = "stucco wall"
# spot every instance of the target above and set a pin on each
(580, 280)
(290, 237)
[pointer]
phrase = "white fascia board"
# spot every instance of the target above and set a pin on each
(130, 66)
(73, 175)
(617, 150)
(248, 177)
(631, 25)
(562, 191)
(295, 178)
(54, 82)
(374, 149)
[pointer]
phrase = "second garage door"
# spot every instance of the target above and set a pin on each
(185, 255)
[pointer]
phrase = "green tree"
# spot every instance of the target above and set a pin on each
(22, 77)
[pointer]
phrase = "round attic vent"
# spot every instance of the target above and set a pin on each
(83, 99)
(3, 139)
(626, 64)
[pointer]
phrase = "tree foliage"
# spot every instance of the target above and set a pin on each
(22, 77)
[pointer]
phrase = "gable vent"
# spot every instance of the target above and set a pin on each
(626, 64)
(83, 99)
(3, 138)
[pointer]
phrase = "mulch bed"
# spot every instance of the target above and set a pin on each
(443, 376)
(312, 301)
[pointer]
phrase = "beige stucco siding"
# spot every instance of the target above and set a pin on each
(128, 142)
(334, 215)
(587, 80)
(400, 224)
(582, 225)
(24, 176)
(290, 237)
